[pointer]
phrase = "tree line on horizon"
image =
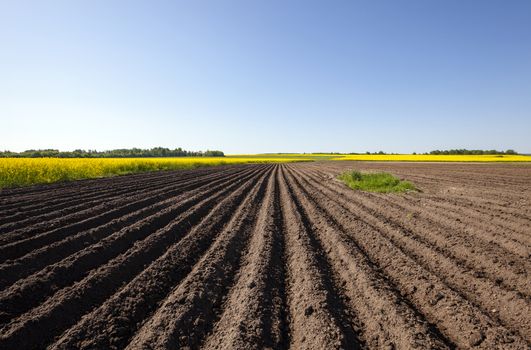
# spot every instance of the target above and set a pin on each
(161, 152)
(158, 152)
(473, 151)
(438, 152)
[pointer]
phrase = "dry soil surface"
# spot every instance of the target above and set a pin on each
(270, 256)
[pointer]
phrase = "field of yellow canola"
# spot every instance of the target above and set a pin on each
(28, 171)
(434, 158)
(395, 157)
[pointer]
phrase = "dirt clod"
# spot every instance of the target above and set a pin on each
(308, 311)
(476, 338)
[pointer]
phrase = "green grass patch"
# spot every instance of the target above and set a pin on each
(375, 182)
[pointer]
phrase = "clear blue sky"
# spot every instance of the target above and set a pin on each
(266, 76)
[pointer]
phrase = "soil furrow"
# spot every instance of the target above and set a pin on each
(54, 200)
(99, 213)
(265, 256)
(122, 314)
(483, 259)
(504, 215)
(509, 234)
(29, 292)
(387, 319)
(254, 314)
(433, 295)
(47, 211)
(47, 255)
(24, 196)
(94, 217)
(316, 322)
(45, 322)
(189, 312)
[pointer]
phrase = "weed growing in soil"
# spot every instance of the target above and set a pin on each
(375, 182)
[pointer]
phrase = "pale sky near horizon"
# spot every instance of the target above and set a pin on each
(266, 76)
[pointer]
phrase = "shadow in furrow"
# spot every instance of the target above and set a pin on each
(39, 326)
(335, 304)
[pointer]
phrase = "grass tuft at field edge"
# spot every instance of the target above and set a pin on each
(375, 182)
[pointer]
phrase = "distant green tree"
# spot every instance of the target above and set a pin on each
(472, 152)
(116, 153)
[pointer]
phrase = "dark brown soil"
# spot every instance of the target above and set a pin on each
(270, 256)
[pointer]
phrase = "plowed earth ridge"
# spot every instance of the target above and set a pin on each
(270, 256)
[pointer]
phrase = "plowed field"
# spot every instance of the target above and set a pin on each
(270, 256)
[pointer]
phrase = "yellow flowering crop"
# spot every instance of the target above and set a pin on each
(29, 171)
(435, 158)
(398, 157)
